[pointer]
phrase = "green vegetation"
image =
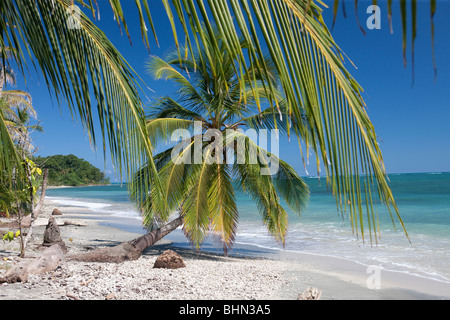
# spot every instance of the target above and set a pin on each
(323, 102)
(18, 187)
(69, 170)
(203, 193)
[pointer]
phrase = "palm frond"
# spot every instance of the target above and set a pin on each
(263, 192)
(291, 187)
(172, 172)
(195, 206)
(11, 168)
(166, 107)
(160, 69)
(268, 119)
(222, 205)
(77, 59)
(19, 99)
(161, 129)
(265, 189)
(309, 64)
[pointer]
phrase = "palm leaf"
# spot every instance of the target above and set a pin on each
(161, 129)
(222, 205)
(291, 187)
(308, 61)
(73, 58)
(19, 99)
(166, 107)
(195, 206)
(312, 74)
(10, 159)
(263, 187)
(161, 69)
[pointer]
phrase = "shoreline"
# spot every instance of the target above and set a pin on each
(250, 265)
(84, 185)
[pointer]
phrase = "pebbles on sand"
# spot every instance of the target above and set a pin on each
(202, 278)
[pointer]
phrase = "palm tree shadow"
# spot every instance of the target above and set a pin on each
(199, 254)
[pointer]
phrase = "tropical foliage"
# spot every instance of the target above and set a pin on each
(199, 182)
(69, 170)
(72, 56)
(80, 63)
(16, 109)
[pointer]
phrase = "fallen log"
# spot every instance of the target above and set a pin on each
(130, 250)
(61, 222)
(54, 255)
(50, 259)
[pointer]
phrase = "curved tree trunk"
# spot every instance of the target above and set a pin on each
(34, 214)
(52, 256)
(130, 250)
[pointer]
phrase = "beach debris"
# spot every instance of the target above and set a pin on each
(85, 283)
(72, 296)
(56, 212)
(169, 259)
(61, 222)
(48, 261)
(110, 296)
(117, 254)
(73, 223)
(52, 235)
(310, 294)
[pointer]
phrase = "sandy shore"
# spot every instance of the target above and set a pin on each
(248, 273)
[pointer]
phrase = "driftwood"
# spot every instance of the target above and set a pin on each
(61, 222)
(130, 250)
(310, 294)
(54, 255)
(50, 259)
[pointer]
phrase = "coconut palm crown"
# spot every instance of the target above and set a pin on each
(198, 172)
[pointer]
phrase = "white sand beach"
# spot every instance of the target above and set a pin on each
(248, 273)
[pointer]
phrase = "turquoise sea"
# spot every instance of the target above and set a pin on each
(423, 200)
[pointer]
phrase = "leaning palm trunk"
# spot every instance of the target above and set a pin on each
(130, 250)
(52, 257)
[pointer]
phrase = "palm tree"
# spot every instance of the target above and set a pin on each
(75, 61)
(317, 87)
(11, 101)
(198, 184)
(16, 109)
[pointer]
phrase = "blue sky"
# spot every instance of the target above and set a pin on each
(412, 121)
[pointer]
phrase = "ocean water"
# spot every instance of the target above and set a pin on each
(422, 198)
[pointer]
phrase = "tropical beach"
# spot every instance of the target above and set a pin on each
(249, 272)
(268, 150)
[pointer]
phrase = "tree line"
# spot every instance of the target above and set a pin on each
(69, 170)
